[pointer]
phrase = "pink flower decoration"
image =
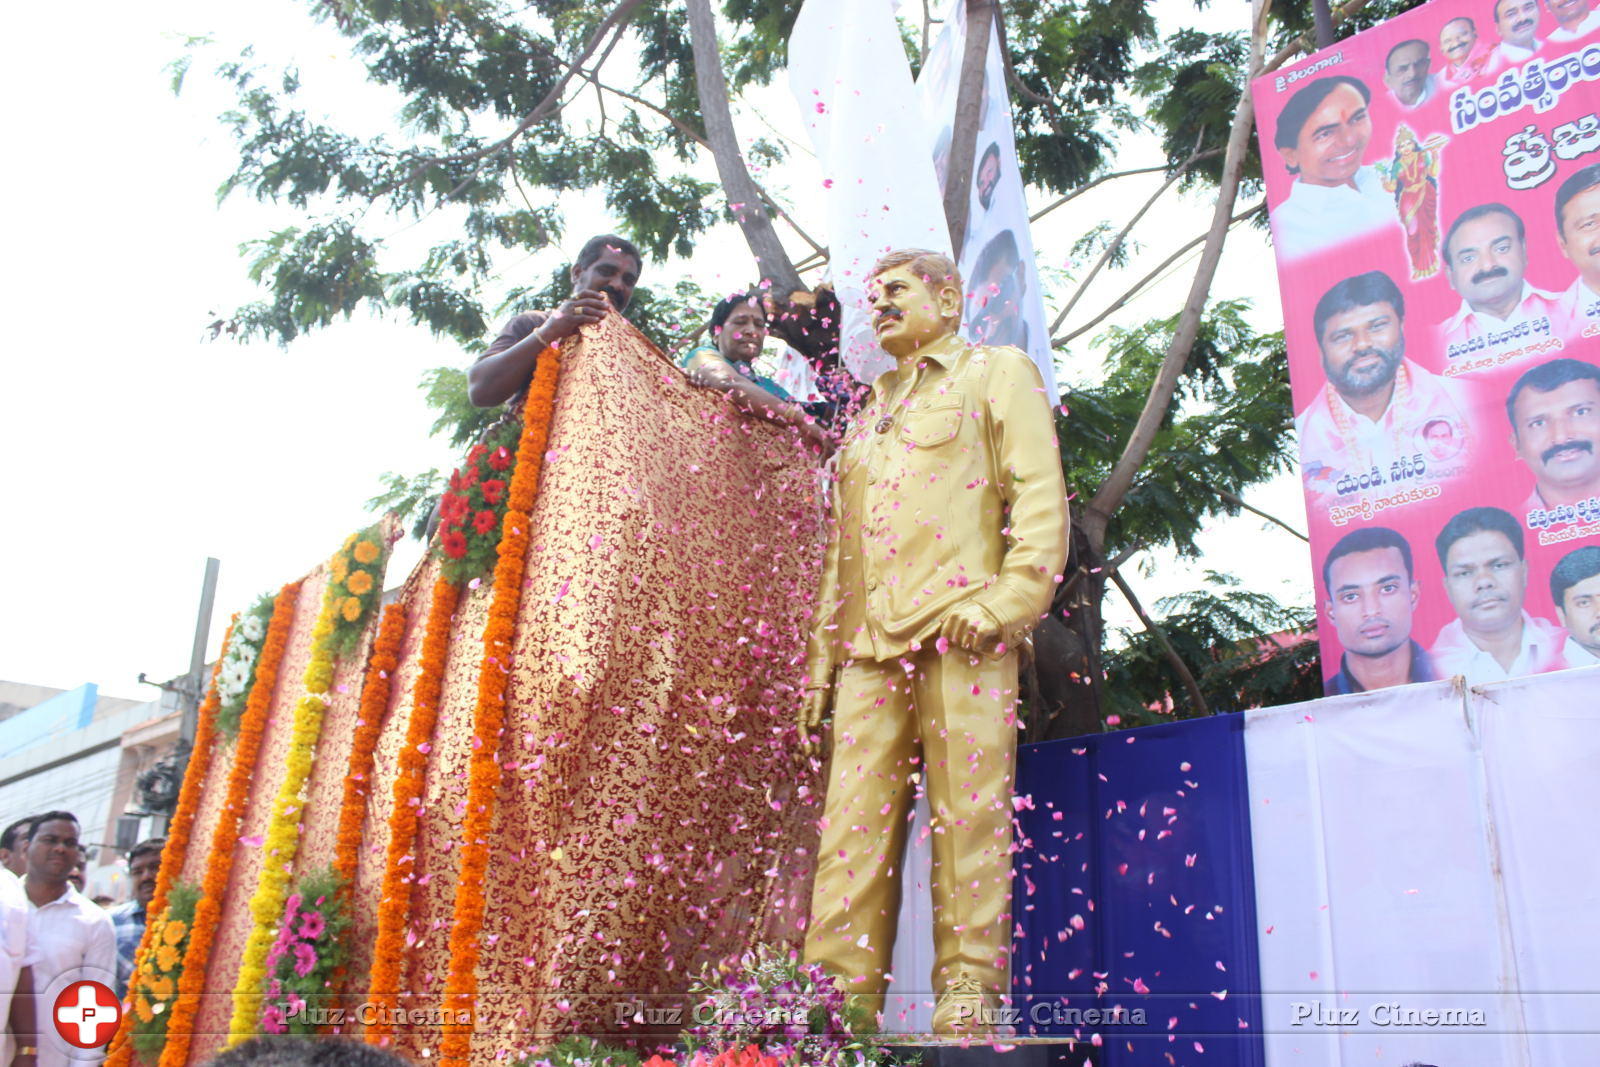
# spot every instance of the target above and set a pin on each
(312, 925)
(305, 959)
(272, 1020)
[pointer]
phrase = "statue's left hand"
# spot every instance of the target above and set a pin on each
(970, 627)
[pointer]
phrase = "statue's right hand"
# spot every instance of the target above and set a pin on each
(813, 709)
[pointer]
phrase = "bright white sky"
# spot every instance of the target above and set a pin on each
(134, 448)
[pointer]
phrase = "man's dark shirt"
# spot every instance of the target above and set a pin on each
(1422, 670)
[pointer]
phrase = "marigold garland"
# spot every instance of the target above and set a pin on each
(283, 830)
(375, 691)
(499, 634)
(225, 842)
(394, 902)
(177, 846)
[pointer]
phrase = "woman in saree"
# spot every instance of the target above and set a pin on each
(1413, 177)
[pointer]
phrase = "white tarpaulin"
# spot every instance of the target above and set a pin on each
(1427, 885)
(848, 71)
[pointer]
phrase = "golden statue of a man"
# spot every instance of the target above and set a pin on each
(949, 533)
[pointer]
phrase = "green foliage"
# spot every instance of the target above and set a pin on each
(309, 949)
(1228, 429)
(1244, 648)
(153, 987)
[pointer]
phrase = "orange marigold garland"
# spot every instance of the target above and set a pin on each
(225, 842)
(375, 690)
(499, 633)
(177, 846)
(394, 904)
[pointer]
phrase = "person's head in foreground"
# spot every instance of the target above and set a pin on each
(738, 327)
(144, 865)
(916, 299)
(1575, 588)
(1485, 575)
(1554, 410)
(53, 851)
(14, 846)
(608, 264)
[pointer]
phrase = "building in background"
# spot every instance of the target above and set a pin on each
(79, 751)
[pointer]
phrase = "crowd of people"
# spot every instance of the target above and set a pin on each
(52, 935)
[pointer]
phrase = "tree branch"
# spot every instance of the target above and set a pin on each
(1305, 42)
(1116, 243)
(617, 20)
(969, 112)
(1230, 498)
(1180, 668)
(1123, 300)
(1111, 494)
(1086, 186)
(771, 259)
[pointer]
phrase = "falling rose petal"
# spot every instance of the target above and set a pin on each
(251, 842)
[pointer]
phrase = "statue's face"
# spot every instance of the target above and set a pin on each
(910, 312)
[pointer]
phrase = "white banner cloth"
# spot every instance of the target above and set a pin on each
(849, 74)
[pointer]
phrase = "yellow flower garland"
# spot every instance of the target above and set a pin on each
(283, 831)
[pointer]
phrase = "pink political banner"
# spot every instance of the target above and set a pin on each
(1434, 191)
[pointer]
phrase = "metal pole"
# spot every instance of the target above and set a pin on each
(1324, 22)
(197, 658)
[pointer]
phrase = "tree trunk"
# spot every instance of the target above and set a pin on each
(743, 196)
(969, 114)
(1064, 689)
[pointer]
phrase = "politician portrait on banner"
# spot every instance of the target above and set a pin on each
(1433, 186)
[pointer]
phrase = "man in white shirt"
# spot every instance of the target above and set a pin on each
(75, 938)
(1575, 588)
(1517, 21)
(1578, 234)
(1407, 71)
(17, 957)
(1486, 261)
(1322, 135)
(14, 846)
(1575, 18)
(1486, 579)
(1377, 407)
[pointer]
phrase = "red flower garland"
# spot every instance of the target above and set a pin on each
(499, 634)
(394, 905)
(177, 846)
(225, 843)
(375, 692)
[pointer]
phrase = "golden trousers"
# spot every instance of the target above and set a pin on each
(946, 723)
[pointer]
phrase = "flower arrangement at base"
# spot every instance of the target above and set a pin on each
(307, 952)
(768, 1010)
(156, 981)
(771, 1007)
(236, 672)
(472, 508)
(355, 586)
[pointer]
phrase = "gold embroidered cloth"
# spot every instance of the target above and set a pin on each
(651, 817)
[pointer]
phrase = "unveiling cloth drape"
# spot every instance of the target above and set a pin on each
(652, 817)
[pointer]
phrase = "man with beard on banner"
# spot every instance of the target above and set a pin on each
(1376, 405)
(949, 533)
